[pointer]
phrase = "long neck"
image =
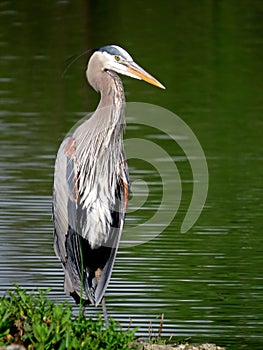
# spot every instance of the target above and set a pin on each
(110, 87)
(112, 96)
(105, 127)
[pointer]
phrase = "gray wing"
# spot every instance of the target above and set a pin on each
(87, 270)
(64, 209)
(61, 196)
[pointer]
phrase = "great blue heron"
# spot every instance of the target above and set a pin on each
(91, 181)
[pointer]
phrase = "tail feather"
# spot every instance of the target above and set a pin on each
(83, 263)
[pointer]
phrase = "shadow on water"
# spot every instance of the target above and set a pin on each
(207, 282)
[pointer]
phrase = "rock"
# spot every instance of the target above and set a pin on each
(13, 347)
(186, 346)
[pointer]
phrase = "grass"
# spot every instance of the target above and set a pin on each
(32, 320)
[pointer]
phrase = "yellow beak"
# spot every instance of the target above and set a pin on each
(135, 71)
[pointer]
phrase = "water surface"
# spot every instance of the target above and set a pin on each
(208, 281)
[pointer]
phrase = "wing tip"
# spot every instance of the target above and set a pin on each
(80, 300)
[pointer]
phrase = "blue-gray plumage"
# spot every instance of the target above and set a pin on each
(91, 182)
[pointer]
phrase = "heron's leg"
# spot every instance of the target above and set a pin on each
(98, 273)
(105, 313)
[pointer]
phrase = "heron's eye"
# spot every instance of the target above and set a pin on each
(117, 58)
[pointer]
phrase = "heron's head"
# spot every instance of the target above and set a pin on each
(114, 58)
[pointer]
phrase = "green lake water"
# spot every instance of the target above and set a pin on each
(208, 281)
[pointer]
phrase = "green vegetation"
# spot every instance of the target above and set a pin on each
(36, 322)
